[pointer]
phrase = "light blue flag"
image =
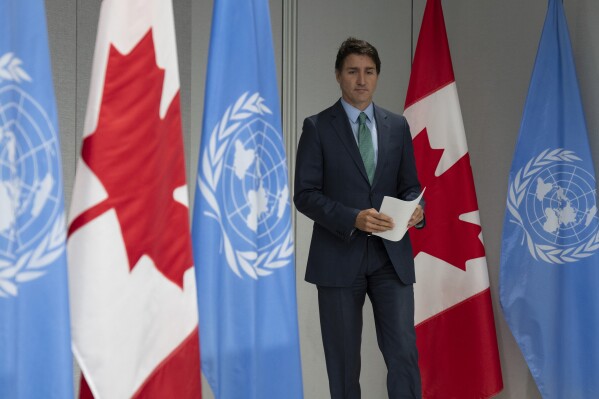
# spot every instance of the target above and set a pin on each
(549, 278)
(35, 342)
(242, 235)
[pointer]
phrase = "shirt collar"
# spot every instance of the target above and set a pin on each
(353, 113)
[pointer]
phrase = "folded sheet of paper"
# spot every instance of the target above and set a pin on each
(400, 211)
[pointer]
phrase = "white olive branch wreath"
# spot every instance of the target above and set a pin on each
(32, 264)
(516, 193)
(10, 69)
(254, 264)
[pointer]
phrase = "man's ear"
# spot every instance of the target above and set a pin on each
(337, 74)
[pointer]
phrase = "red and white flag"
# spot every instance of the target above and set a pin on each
(455, 327)
(131, 276)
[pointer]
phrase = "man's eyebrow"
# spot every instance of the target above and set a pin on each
(370, 68)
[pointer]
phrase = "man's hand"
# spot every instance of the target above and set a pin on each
(417, 216)
(371, 221)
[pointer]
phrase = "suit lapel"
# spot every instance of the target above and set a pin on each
(341, 125)
(383, 131)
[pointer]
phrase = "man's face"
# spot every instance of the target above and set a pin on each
(357, 80)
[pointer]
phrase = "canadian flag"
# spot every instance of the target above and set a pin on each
(131, 276)
(455, 327)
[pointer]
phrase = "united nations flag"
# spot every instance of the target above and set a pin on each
(550, 250)
(242, 236)
(35, 355)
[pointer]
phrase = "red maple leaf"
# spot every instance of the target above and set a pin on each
(138, 157)
(447, 197)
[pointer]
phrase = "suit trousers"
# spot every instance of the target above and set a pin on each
(341, 327)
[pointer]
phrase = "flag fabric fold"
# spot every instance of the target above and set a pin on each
(35, 341)
(549, 262)
(241, 233)
(454, 320)
(134, 309)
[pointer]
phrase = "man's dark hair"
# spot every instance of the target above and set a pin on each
(351, 45)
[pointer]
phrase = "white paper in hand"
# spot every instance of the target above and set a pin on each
(400, 211)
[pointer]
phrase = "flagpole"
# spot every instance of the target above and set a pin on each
(289, 91)
(412, 36)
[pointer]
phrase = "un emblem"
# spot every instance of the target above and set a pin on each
(553, 199)
(32, 226)
(243, 178)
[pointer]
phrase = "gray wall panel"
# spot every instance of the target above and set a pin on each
(183, 28)
(88, 13)
(62, 28)
(200, 33)
(61, 19)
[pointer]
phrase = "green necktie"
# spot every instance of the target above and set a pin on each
(365, 146)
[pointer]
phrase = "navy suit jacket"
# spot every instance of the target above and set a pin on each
(331, 188)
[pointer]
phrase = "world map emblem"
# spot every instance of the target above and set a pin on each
(32, 226)
(243, 178)
(553, 199)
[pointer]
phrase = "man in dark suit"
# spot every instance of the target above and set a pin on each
(349, 157)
